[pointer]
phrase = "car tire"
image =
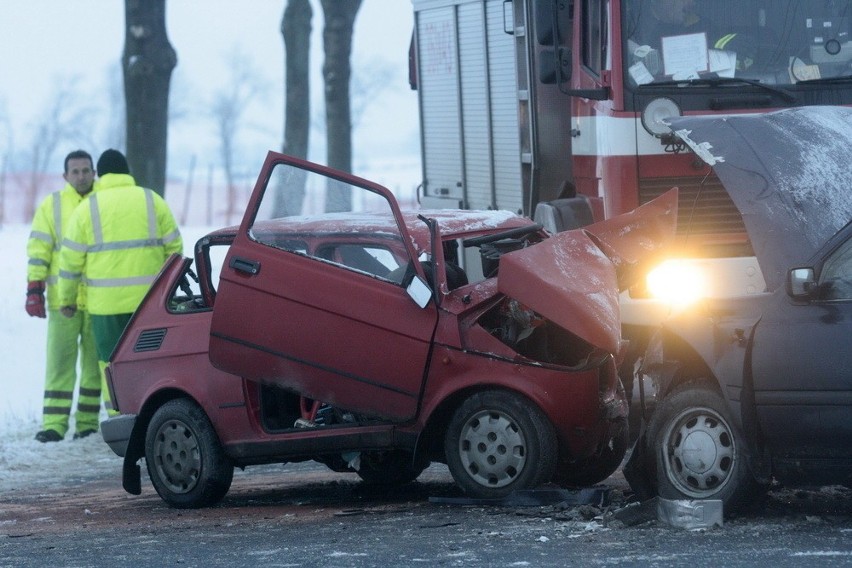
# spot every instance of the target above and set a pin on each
(498, 442)
(187, 464)
(699, 452)
(389, 468)
(595, 469)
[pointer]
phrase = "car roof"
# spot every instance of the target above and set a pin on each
(453, 224)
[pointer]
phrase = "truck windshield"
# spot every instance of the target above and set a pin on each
(775, 42)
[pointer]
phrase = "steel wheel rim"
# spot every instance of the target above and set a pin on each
(177, 457)
(699, 452)
(492, 448)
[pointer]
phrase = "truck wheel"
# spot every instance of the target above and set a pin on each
(186, 462)
(597, 468)
(393, 467)
(498, 442)
(699, 452)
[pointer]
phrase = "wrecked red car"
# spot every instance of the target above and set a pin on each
(756, 390)
(377, 341)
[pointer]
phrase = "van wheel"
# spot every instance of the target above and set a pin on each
(699, 452)
(186, 462)
(498, 442)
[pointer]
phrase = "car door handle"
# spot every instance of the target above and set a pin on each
(245, 265)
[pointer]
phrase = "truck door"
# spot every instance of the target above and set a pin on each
(315, 302)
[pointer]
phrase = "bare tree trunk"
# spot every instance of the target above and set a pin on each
(337, 41)
(148, 61)
(296, 32)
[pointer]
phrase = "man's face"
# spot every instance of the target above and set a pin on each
(80, 175)
(674, 11)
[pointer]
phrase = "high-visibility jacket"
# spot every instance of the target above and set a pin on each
(49, 223)
(116, 244)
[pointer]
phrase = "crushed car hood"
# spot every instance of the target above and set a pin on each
(788, 172)
(574, 277)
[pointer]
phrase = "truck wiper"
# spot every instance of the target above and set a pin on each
(717, 81)
(827, 80)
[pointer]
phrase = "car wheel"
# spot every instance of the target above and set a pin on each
(700, 453)
(185, 460)
(394, 467)
(599, 467)
(498, 442)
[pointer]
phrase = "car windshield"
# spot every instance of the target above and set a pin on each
(775, 42)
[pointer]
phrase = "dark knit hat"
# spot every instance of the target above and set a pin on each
(112, 162)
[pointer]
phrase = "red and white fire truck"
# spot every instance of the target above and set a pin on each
(525, 102)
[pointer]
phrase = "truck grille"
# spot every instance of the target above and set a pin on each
(705, 208)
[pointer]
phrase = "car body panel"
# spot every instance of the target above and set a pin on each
(780, 359)
(574, 277)
(788, 174)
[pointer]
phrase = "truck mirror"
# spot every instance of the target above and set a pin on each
(551, 71)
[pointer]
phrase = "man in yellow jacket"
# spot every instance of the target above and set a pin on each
(65, 337)
(116, 243)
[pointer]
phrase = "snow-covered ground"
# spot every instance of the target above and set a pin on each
(23, 461)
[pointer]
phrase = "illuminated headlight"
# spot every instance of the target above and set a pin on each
(677, 282)
(656, 113)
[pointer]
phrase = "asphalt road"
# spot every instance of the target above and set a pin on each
(304, 515)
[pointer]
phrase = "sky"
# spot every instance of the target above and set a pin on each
(49, 45)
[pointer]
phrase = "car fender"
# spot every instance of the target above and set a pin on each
(712, 341)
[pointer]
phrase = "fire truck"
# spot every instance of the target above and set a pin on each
(558, 109)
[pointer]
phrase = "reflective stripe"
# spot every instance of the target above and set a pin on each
(724, 40)
(124, 245)
(57, 219)
(59, 394)
(41, 236)
(90, 392)
(69, 275)
(52, 279)
(74, 245)
(171, 237)
(38, 262)
(89, 407)
(116, 282)
(97, 230)
(152, 214)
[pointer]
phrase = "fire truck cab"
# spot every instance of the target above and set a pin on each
(524, 102)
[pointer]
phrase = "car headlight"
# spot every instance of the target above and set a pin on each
(677, 282)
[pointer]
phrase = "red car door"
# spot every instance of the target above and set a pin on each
(338, 328)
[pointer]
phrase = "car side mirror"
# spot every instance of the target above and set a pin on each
(419, 291)
(801, 282)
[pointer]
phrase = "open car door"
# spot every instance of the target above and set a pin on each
(316, 302)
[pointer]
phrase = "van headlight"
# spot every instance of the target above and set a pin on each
(677, 282)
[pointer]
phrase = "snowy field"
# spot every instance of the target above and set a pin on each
(23, 461)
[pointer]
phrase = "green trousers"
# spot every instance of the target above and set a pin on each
(66, 337)
(107, 330)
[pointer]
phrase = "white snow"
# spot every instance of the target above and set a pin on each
(23, 461)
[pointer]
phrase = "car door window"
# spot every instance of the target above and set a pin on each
(836, 276)
(329, 220)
